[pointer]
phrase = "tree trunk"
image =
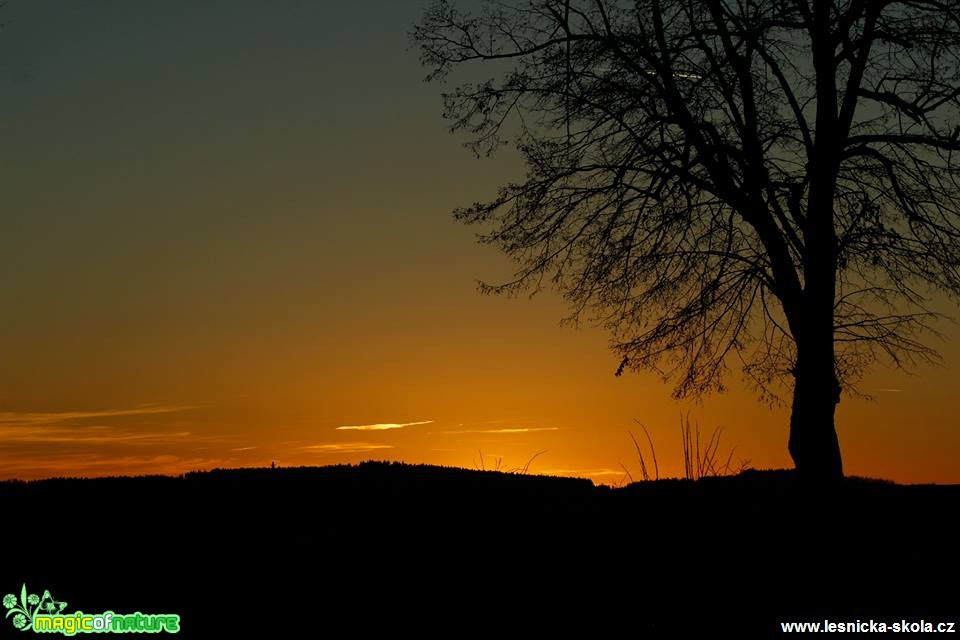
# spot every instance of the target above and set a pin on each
(816, 390)
(813, 437)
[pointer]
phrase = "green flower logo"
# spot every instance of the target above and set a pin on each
(28, 606)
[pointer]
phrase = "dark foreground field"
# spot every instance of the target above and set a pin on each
(384, 548)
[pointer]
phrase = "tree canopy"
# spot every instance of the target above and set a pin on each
(770, 184)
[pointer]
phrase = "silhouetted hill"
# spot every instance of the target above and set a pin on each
(382, 546)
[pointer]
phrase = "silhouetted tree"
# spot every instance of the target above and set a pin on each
(717, 181)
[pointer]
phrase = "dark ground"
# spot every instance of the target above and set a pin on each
(301, 552)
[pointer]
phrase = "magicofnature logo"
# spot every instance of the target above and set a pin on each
(44, 614)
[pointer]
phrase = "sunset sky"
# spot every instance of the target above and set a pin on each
(226, 241)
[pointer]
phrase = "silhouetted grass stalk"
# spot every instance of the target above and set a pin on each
(653, 454)
(498, 464)
(699, 460)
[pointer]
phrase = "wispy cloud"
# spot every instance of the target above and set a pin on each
(95, 464)
(382, 426)
(507, 430)
(589, 473)
(891, 390)
(59, 417)
(243, 449)
(47, 434)
(345, 447)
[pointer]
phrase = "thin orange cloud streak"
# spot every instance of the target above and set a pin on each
(507, 430)
(345, 447)
(382, 426)
(26, 417)
(88, 435)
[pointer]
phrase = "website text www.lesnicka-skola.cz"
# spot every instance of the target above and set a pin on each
(869, 626)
